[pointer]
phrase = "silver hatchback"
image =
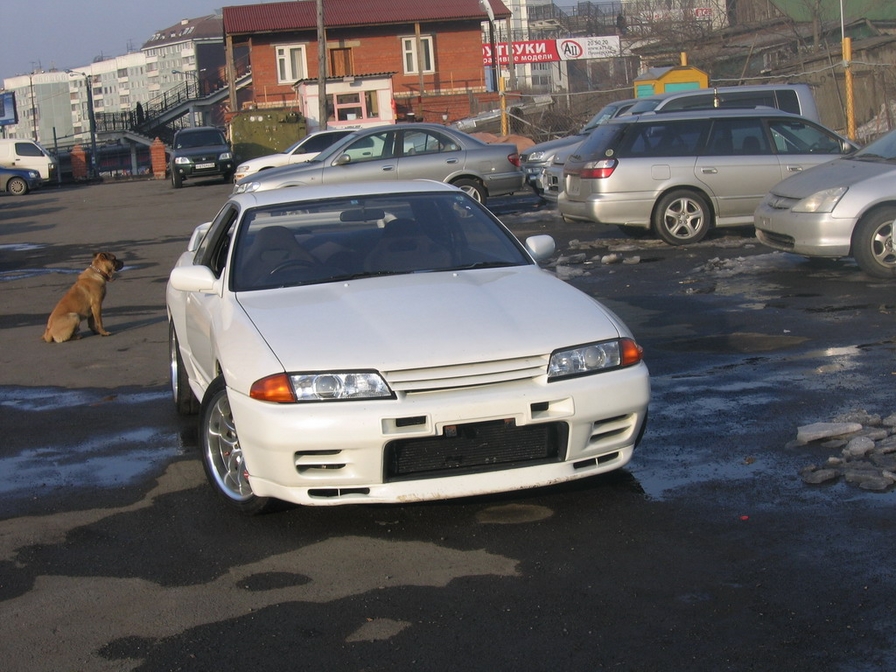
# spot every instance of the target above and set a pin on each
(844, 208)
(681, 174)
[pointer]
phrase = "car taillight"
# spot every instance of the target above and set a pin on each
(514, 159)
(598, 170)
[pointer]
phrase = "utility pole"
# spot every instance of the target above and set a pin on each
(321, 68)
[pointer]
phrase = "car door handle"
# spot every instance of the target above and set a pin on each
(709, 171)
(451, 161)
(794, 169)
(388, 168)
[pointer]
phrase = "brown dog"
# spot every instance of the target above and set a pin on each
(84, 299)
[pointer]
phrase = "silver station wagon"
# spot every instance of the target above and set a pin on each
(682, 173)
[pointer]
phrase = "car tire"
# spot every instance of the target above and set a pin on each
(682, 217)
(473, 187)
(17, 186)
(185, 401)
(872, 243)
(222, 457)
(177, 180)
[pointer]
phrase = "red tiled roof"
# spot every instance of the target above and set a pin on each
(302, 14)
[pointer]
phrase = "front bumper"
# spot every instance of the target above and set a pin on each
(335, 453)
(809, 234)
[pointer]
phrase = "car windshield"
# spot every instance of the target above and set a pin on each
(881, 149)
(606, 113)
(646, 105)
(200, 139)
(306, 243)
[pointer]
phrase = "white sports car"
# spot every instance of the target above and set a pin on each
(372, 342)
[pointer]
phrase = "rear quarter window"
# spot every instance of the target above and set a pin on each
(662, 138)
(601, 143)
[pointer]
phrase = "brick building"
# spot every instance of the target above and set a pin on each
(385, 59)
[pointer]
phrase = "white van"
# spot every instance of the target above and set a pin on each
(19, 153)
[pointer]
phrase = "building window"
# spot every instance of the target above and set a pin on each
(411, 61)
(352, 107)
(291, 64)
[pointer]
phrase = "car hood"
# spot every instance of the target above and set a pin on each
(843, 172)
(426, 319)
(290, 175)
(551, 145)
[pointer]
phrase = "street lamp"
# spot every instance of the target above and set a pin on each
(91, 115)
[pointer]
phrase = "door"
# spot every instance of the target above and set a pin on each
(429, 155)
(370, 157)
(739, 167)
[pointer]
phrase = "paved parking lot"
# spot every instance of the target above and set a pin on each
(707, 553)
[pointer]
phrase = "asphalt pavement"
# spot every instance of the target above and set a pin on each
(707, 552)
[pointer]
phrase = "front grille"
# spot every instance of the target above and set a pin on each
(483, 446)
(468, 374)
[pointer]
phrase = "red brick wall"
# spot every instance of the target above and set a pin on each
(458, 59)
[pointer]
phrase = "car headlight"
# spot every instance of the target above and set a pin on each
(246, 187)
(225, 156)
(591, 358)
(181, 161)
(326, 386)
(242, 169)
(33, 174)
(821, 201)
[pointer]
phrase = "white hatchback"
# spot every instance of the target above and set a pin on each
(373, 342)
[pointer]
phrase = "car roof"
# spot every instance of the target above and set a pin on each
(708, 113)
(718, 89)
(360, 189)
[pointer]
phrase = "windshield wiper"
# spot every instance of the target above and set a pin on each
(489, 264)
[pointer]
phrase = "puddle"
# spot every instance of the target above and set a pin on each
(24, 273)
(103, 460)
(20, 247)
(38, 399)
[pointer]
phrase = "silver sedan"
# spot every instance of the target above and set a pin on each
(843, 208)
(402, 152)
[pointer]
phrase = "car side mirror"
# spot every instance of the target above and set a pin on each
(342, 159)
(193, 279)
(540, 247)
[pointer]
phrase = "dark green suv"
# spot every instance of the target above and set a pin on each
(200, 152)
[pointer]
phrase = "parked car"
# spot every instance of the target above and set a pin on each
(793, 98)
(535, 159)
(682, 173)
(371, 342)
(200, 152)
(299, 152)
(404, 151)
(843, 208)
(28, 155)
(19, 181)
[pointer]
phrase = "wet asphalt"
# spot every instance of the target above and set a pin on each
(707, 552)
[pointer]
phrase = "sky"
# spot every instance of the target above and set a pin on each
(60, 34)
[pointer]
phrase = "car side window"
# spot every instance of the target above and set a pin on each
(732, 137)
(426, 142)
(212, 251)
(793, 136)
(663, 138)
(372, 147)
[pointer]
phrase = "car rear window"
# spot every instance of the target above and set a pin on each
(601, 141)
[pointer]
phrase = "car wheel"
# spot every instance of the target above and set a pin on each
(473, 187)
(177, 180)
(17, 186)
(682, 217)
(872, 244)
(222, 457)
(184, 400)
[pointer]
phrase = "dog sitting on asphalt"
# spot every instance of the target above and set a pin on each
(83, 300)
